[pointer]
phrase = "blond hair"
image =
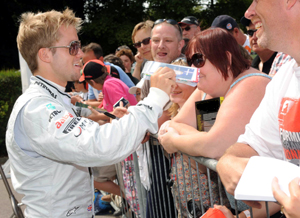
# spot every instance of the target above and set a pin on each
(41, 30)
(173, 110)
(148, 24)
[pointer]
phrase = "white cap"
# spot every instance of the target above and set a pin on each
(133, 89)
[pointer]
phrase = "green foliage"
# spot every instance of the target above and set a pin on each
(10, 90)
(110, 22)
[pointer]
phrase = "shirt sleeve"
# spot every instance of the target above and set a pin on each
(53, 132)
(262, 133)
(91, 93)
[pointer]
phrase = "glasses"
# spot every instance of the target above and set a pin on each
(144, 42)
(73, 47)
(187, 28)
(169, 21)
(251, 32)
(198, 60)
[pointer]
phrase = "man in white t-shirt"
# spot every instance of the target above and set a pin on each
(274, 129)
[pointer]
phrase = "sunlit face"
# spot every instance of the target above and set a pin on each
(181, 93)
(66, 67)
(191, 32)
(126, 62)
(165, 44)
(138, 94)
(79, 87)
(270, 22)
(211, 80)
(87, 56)
(253, 39)
(144, 50)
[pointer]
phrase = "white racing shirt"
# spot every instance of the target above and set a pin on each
(53, 175)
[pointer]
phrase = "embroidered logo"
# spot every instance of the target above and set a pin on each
(53, 114)
(90, 207)
(72, 211)
(50, 106)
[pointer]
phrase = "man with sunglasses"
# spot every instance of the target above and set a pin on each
(274, 128)
(50, 148)
(264, 58)
(190, 27)
(228, 23)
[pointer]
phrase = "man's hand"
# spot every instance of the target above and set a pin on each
(120, 111)
(166, 142)
(291, 205)
(164, 79)
(232, 164)
(75, 98)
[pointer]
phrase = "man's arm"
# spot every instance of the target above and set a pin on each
(232, 164)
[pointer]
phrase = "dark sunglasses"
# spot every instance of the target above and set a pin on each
(251, 32)
(187, 28)
(198, 60)
(144, 42)
(169, 21)
(73, 47)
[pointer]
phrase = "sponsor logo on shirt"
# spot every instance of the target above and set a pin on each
(82, 126)
(50, 107)
(71, 125)
(63, 120)
(45, 87)
(289, 125)
(72, 211)
(149, 107)
(53, 114)
(90, 207)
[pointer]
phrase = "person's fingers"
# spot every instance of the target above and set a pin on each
(121, 104)
(294, 187)
(278, 194)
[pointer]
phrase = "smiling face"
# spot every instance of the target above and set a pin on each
(211, 80)
(181, 93)
(191, 32)
(270, 23)
(253, 39)
(144, 50)
(66, 67)
(126, 62)
(165, 43)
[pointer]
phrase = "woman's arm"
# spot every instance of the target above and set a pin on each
(234, 113)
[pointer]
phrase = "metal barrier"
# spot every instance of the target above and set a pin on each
(175, 196)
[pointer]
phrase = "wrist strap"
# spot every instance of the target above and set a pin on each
(247, 213)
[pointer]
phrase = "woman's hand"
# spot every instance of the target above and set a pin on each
(166, 139)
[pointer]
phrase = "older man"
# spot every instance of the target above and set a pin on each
(50, 148)
(274, 128)
(190, 26)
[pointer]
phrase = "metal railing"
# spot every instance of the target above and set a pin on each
(189, 192)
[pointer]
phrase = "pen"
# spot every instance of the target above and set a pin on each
(111, 115)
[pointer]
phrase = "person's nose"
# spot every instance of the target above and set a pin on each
(250, 12)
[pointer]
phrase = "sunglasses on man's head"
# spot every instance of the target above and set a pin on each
(73, 47)
(169, 21)
(144, 42)
(251, 32)
(198, 60)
